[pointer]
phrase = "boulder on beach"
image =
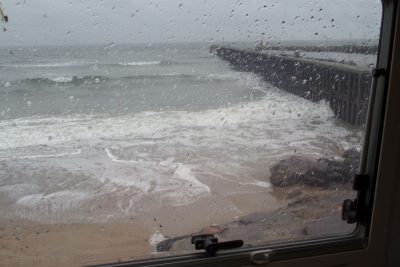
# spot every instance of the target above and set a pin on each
(290, 171)
(323, 172)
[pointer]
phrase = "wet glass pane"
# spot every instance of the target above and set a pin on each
(126, 127)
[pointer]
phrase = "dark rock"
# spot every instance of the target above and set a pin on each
(322, 172)
(326, 172)
(245, 221)
(303, 200)
(293, 194)
(290, 171)
(252, 218)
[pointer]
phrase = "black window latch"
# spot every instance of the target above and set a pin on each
(354, 210)
(211, 245)
(378, 72)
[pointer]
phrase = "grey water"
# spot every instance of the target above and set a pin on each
(115, 80)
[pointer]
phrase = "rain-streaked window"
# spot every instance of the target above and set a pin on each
(127, 127)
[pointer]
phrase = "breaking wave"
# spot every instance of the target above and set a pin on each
(89, 79)
(83, 63)
(147, 63)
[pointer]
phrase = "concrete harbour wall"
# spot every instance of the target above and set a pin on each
(345, 87)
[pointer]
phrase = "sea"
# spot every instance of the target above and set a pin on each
(142, 126)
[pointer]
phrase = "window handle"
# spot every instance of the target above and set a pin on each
(211, 245)
(355, 210)
(378, 72)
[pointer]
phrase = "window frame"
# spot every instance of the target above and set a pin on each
(370, 244)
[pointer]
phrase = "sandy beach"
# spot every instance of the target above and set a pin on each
(75, 244)
(287, 214)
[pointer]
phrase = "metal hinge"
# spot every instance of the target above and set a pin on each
(355, 210)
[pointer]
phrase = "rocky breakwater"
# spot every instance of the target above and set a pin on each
(345, 87)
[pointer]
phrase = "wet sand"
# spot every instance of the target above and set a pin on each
(72, 244)
(24, 243)
(54, 212)
(286, 214)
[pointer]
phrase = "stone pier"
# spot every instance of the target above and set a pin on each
(345, 87)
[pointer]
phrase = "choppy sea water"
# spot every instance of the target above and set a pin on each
(140, 127)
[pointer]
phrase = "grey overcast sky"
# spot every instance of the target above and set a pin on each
(37, 22)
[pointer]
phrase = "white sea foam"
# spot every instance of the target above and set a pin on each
(156, 238)
(50, 65)
(62, 79)
(56, 207)
(19, 190)
(140, 63)
(115, 159)
(287, 118)
(185, 173)
(167, 158)
(79, 151)
(165, 176)
(84, 63)
(30, 200)
(260, 184)
(66, 198)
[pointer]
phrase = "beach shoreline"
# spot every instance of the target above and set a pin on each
(299, 212)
